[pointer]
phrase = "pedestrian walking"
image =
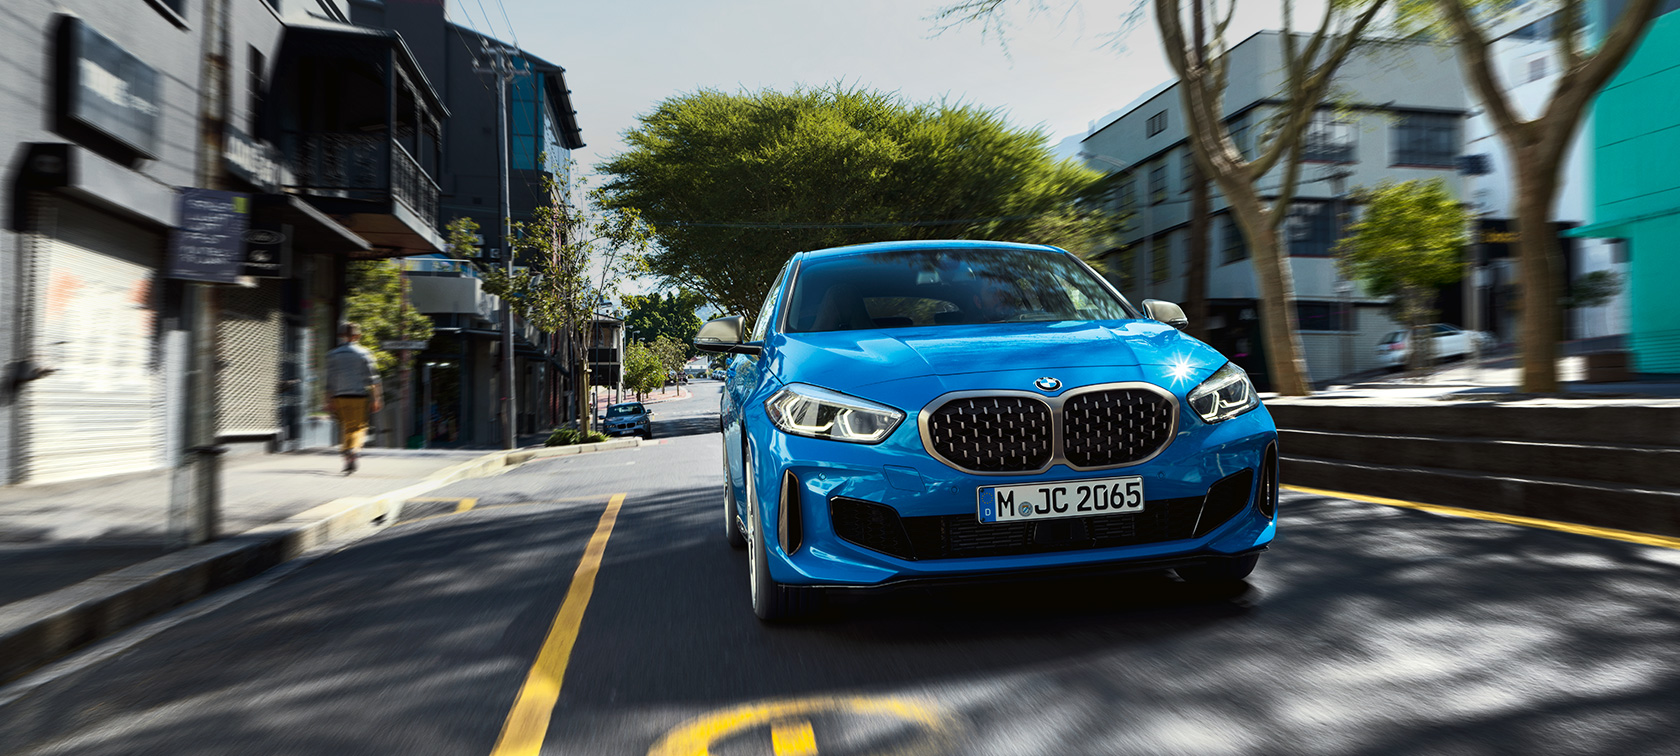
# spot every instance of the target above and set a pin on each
(354, 388)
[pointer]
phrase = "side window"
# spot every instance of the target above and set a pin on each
(761, 324)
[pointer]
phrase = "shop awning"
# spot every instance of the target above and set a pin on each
(1618, 228)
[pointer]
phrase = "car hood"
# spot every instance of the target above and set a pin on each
(848, 359)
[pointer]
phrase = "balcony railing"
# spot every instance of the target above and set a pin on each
(362, 167)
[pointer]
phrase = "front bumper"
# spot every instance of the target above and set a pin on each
(627, 430)
(900, 474)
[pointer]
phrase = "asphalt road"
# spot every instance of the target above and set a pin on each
(1366, 630)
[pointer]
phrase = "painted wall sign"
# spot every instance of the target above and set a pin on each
(103, 87)
(208, 243)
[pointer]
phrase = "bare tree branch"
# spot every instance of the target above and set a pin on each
(1478, 65)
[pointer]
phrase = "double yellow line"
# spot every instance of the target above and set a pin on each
(527, 723)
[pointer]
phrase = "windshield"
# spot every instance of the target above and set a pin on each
(624, 409)
(934, 287)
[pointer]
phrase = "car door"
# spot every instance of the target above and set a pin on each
(746, 374)
(1450, 342)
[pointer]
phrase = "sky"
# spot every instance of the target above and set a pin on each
(1063, 68)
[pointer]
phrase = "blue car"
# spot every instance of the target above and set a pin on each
(921, 412)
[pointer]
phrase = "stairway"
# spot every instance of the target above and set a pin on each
(1614, 466)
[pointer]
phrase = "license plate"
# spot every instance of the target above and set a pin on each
(1069, 498)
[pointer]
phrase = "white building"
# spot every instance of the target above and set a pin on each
(1399, 115)
(1526, 58)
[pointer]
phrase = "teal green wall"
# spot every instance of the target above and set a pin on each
(1636, 185)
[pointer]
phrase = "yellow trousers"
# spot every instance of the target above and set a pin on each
(352, 413)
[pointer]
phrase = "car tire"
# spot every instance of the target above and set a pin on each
(731, 518)
(648, 434)
(1219, 570)
(771, 601)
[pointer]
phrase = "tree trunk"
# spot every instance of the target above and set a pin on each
(1195, 274)
(1540, 263)
(1288, 372)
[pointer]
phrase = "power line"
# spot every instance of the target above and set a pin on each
(511, 29)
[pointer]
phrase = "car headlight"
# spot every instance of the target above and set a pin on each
(804, 410)
(1224, 395)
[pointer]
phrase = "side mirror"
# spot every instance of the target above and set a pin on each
(725, 335)
(1166, 312)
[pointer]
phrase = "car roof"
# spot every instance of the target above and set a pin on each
(899, 246)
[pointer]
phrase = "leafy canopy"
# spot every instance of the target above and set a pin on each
(736, 183)
(378, 304)
(1410, 242)
(670, 315)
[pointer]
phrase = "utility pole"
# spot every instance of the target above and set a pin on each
(500, 63)
(195, 483)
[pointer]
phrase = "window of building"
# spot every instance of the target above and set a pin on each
(176, 8)
(1158, 183)
(256, 65)
(1537, 30)
(1537, 68)
(1241, 129)
(1126, 194)
(1187, 166)
(1232, 242)
(1157, 124)
(1128, 268)
(1319, 316)
(1329, 138)
(1312, 229)
(1428, 140)
(1160, 260)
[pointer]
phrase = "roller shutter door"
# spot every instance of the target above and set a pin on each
(249, 347)
(94, 299)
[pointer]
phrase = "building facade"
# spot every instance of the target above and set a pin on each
(1636, 190)
(1400, 116)
(542, 131)
(315, 142)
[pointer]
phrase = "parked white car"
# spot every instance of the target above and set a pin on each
(1447, 342)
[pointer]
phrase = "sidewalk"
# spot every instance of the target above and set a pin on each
(57, 535)
(1496, 378)
(668, 393)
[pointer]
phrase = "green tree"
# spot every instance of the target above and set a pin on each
(643, 370)
(672, 354)
(577, 257)
(736, 183)
(669, 314)
(378, 302)
(1408, 244)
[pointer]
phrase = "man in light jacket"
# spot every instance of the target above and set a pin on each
(354, 391)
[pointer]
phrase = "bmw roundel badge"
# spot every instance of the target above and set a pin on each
(1047, 383)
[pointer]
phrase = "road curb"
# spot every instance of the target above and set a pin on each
(42, 628)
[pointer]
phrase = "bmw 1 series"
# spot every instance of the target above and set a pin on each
(929, 412)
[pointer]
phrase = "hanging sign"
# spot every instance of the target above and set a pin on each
(208, 241)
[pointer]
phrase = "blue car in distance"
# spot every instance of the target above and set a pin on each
(919, 412)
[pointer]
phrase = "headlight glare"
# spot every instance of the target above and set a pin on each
(1224, 395)
(804, 410)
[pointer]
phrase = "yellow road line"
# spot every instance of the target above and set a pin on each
(527, 722)
(1629, 536)
(465, 505)
(793, 738)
